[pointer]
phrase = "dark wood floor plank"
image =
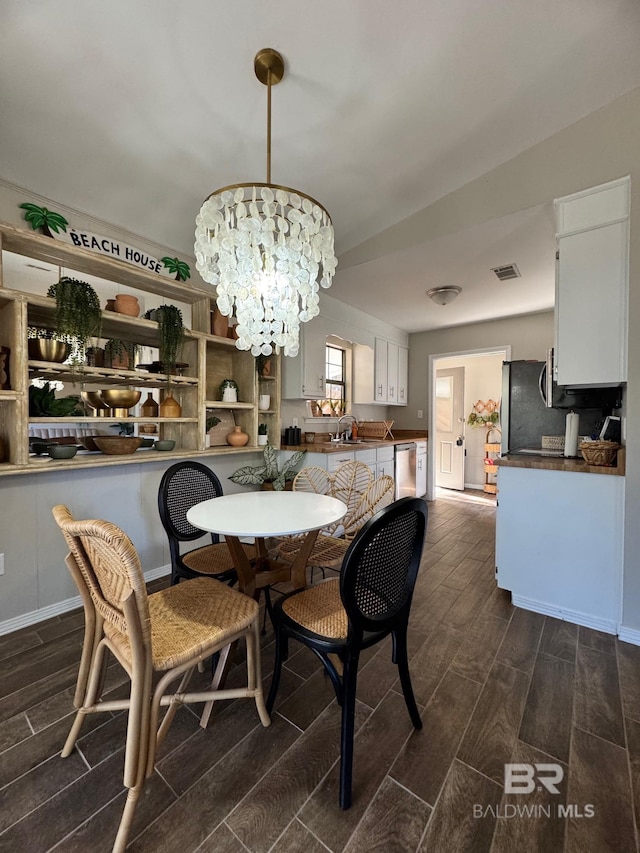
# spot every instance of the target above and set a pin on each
(494, 725)
(633, 752)
(597, 640)
(424, 761)
(454, 827)
(188, 821)
(39, 662)
(297, 838)
(478, 650)
(598, 708)
(464, 572)
(599, 776)
(66, 623)
(520, 645)
(538, 827)
(431, 662)
(13, 731)
(393, 823)
(468, 604)
(18, 642)
(264, 814)
(499, 604)
(559, 639)
(309, 700)
(546, 723)
(33, 692)
(629, 673)
(376, 746)
(222, 840)
(377, 676)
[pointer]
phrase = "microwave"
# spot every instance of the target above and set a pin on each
(556, 396)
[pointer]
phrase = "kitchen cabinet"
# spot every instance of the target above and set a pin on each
(391, 373)
(209, 358)
(559, 543)
(303, 377)
(592, 283)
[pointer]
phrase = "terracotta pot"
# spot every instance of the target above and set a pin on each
(110, 305)
(171, 408)
(268, 487)
(127, 304)
(237, 438)
(220, 324)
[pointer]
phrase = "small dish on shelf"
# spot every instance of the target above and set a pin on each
(165, 444)
(62, 451)
(114, 445)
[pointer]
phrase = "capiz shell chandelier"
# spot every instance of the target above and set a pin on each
(266, 248)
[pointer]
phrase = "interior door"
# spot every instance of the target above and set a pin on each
(450, 428)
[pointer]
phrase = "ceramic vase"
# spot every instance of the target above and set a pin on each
(230, 395)
(149, 409)
(170, 408)
(127, 304)
(237, 438)
(262, 440)
(264, 401)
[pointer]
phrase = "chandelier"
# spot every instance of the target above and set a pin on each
(266, 248)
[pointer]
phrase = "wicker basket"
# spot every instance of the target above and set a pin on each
(599, 452)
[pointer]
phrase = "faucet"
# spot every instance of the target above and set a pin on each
(353, 418)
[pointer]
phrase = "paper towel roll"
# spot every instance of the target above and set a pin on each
(571, 434)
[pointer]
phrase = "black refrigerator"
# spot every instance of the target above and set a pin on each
(524, 416)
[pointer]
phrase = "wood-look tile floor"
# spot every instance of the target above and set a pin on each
(494, 683)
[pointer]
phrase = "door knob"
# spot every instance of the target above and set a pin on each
(460, 440)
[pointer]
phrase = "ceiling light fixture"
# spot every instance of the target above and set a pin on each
(444, 295)
(266, 248)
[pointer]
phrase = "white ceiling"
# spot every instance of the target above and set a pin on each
(135, 112)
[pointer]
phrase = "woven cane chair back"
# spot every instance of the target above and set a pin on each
(183, 485)
(380, 568)
(111, 567)
(348, 484)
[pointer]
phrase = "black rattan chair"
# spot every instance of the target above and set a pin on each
(183, 485)
(369, 601)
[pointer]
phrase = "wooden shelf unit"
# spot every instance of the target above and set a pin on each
(210, 359)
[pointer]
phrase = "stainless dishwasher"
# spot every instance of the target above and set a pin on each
(405, 470)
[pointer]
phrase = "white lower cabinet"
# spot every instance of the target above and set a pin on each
(559, 544)
(421, 468)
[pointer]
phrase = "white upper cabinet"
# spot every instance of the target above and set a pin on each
(304, 376)
(391, 373)
(592, 285)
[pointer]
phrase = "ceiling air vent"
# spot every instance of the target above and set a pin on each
(506, 273)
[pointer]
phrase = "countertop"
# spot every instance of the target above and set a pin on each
(400, 437)
(555, 463)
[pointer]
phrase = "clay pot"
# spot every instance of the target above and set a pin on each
(219, 324)
(110, 305)
(127, 304)
(237, 438)
(171, 408)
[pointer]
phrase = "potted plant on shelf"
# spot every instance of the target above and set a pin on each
(171, 328)
(120, 354)
(268, 475)
(43, 402)
(229, 391)
(262, 434)
(78, 312)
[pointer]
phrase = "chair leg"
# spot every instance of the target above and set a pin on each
(282, 653)
(267, 609)
(92, 694)
(400, 657)
(348, 723)
(126, 820)
(254, 673)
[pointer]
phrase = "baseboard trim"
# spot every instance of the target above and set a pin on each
(60, 607)
(629, 635)
(575, 616)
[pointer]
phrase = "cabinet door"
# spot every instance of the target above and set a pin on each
(403, 375)
(591, 306)
(392, 372)
(303, 376)
(381, 374)
(387, 467)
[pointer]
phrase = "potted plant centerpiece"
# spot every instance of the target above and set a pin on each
(78, 313)
(268, 475)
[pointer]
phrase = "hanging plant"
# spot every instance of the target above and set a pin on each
(171, 328)
(78, 312)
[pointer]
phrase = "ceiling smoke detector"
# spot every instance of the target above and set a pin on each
(507, 272)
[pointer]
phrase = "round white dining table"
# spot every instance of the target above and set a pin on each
(263, 515)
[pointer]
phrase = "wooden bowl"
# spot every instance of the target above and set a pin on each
(47, 349)
(114, 445)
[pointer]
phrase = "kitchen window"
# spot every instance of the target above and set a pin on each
(336, 376)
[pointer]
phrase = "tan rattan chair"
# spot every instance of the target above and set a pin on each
(353, 484)
(167, 634)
